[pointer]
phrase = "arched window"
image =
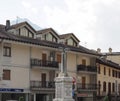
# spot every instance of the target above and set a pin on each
(104, 86)
(99, 86)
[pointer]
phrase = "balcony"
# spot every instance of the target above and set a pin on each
(87, 68)
(44, 63)
(85, 87)
(42, 85)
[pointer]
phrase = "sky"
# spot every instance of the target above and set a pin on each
(94, 22)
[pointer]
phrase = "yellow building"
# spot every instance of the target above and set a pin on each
(108, 78)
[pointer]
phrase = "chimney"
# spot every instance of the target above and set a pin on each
(7, 24)
(98, 50)
(110, 50)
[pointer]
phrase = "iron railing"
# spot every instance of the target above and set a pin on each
(44, 63)
(42, 84)
(86, 68)
(82, 86)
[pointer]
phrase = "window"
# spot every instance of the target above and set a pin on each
(104, 86)
(116, 74)
(99, 87)
(113, 87)
(24, 32)
(113, 73)
(83, 62)
(99, 69)
(6, 74)
(109, 72)
(56, 74)
(109, 87)
(119, 74)
(54, 39)
(30, 35)
(58, 58)
(7, 51)
(104, 71)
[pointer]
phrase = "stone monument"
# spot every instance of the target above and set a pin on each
(63, 83)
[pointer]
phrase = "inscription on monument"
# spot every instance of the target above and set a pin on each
(68, 91)
(58, 90)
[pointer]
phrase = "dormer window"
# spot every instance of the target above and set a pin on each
(30, 35)
(54, 39)
(50, 37)
(25, 32)
(71, 42)
(69, 39)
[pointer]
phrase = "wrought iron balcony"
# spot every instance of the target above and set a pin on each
(82, 86)
(87, 68)
(44, 63)
(42, 84)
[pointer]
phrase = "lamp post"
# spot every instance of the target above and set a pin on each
(63, 83)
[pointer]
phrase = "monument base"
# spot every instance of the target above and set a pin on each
(63, 91)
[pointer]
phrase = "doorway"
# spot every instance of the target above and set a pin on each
(43, 79)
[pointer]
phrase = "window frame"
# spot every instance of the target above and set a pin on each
(104, 70)
(104, 86)
(7, 51)
(6, 74)
(109, 72)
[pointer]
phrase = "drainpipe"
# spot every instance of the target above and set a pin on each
(115, 90)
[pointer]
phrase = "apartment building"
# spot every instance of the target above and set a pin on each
(30, 60)
(108, 78)
(113, 56)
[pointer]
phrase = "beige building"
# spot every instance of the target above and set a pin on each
(30, 60)
(108, 78)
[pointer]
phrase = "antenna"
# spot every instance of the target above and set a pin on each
(17, 18)
(85, 44)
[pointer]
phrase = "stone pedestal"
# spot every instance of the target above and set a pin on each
(63, 91)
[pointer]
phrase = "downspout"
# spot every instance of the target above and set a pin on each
(29, 72)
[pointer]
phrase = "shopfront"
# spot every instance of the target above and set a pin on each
(13, 94)
(86, 96)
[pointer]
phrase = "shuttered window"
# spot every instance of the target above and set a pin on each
(6, 74)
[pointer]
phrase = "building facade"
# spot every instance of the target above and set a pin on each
(108, 79)
(30, 60)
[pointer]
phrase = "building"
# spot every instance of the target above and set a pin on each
(30, 60)
(108, 78)
(113, 56)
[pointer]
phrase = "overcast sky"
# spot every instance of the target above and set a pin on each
(95, 22)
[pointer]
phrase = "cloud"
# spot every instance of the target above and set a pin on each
(93, 21)
(78, 18)
(29, 7)
(26, 4)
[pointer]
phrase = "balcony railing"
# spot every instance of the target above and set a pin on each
(44, 63)
(86, 68)
(83, 86)
(42, 84)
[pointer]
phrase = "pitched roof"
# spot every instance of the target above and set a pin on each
(108, 63)
(12, 37)
(64, 36)
(20, 24)
(2, 26)
(113, 53)
(43, 31)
